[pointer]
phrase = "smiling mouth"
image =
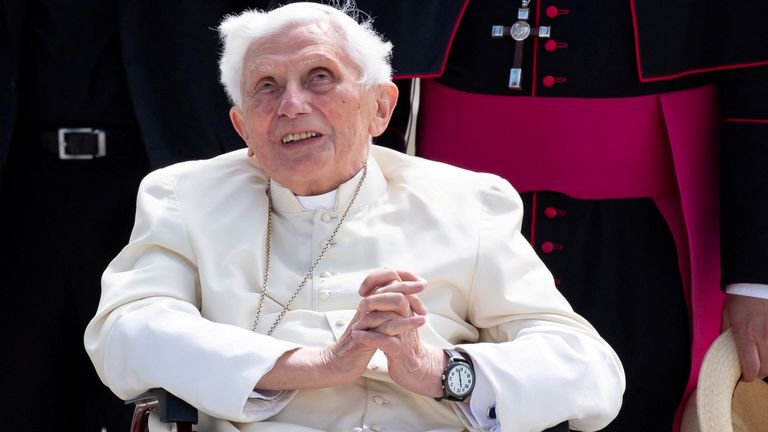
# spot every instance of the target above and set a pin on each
(293, 137)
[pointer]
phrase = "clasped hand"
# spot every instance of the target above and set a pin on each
(388, 318)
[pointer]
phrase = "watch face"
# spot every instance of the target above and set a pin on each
(460, 379)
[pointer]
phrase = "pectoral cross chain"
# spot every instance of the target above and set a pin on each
(519, 31)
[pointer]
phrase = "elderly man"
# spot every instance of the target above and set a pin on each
(317, 282)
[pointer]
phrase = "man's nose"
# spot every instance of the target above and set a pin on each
(293, 102)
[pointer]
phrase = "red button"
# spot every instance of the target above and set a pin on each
(550, 45)
(550, 212)
(552, 11)
(550, 80)
(558, 282)
(548, 246)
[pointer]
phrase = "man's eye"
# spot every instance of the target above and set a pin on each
(321, 76)
(265, 86)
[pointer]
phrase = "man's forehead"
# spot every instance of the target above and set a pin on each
(267, 57)
(308, 57)
(294, 37)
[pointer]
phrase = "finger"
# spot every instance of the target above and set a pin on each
(376, 279)
(370, 338)
(762, 348)
(386, 302)
(409, 289)
(400, 326)
(390, 324)
(417, 305)
(392, 346)
(384, 276)
(408, 276)
(370, 321)
(748, 357)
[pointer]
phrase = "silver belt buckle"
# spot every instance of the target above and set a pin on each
(101, 143)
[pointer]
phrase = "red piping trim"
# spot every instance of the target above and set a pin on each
(535, 52)
(533, 219)
(702, 70)
(646, 79)
(637, 40)
(447, 50)
(745, 120)
(424, 75)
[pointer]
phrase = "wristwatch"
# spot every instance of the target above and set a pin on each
(458, 377)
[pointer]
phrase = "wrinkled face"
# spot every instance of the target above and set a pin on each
(304, 116)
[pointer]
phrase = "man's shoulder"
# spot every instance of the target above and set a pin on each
(401, 168)
(230, 162)
(224, 171)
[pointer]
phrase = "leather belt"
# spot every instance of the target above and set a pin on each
(86, 143)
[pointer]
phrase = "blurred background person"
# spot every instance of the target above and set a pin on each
(94, 94)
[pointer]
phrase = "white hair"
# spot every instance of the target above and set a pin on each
(362, 43)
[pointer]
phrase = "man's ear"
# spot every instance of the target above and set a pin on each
(237, 121)
(385, 104)
(239, 124)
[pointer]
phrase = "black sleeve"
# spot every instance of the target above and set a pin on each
(744, 176)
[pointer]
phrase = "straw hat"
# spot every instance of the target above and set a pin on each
(721, 402)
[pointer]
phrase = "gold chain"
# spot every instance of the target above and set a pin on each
(314, 264)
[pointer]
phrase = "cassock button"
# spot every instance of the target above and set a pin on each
(548, 246)
(550, 45)
(325, 217)
(549, 80)
(550, 212)
(552, 12)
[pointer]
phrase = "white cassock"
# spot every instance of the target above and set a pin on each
(179, 301)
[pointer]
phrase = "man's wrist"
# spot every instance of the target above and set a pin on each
(440, 362)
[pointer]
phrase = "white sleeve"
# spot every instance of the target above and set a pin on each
(148, 331)
(543, 362)
(478, 409)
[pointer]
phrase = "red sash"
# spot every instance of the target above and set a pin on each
(663, 147)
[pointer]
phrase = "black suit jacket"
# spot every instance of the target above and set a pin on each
(170, 53)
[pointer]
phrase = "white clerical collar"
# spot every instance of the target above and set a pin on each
(285, 202)
(314, 202)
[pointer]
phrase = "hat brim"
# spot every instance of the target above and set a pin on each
(720, 372)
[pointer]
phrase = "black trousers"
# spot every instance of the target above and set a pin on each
(616, 263)
(61, 222)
